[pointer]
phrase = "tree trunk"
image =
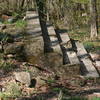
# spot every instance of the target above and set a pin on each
(43, 17)
(93, 14)
(22, 4)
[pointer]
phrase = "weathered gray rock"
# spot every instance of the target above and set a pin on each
(34, 46)
(54, 59)
(10, 56)
(98, 63)
(34, 72)
(23, 77)
(11, 20)
(95, 56)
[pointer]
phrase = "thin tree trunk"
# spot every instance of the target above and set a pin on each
(93, 15)
(22, 3)
(42, 17)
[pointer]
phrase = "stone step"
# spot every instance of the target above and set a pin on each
(68, 54)
(31, 15)
(87, 68)
(54, 40)
(34, 31)
(73, 57)
(51, 30)
(64, 37)
(55, 44)
(33, 24)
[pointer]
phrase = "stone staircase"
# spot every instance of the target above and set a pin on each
(71, 51)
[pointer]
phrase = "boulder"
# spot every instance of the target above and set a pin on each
(34, 46)
(34, 50)
(23, 77)
(54, 59)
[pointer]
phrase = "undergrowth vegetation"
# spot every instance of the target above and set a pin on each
(21, 23)
(12, 91)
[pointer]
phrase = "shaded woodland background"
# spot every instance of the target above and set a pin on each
(72, 14)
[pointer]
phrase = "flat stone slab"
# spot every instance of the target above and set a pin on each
(23, 77)
(73, 57)
(51, 30)
(98, 63)
(69, 55)
(54, 40)
(65, 38)
(55, 44)
(81, 50)
(34, 30)
(95, 56)
(33, 24)
(31, 14)
(87, 68)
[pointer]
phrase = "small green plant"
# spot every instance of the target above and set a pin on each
(5, 37)
(50, 81)
(6, 65)
(15, 14)
(57, 89)
(89, 46)
(21, 23)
